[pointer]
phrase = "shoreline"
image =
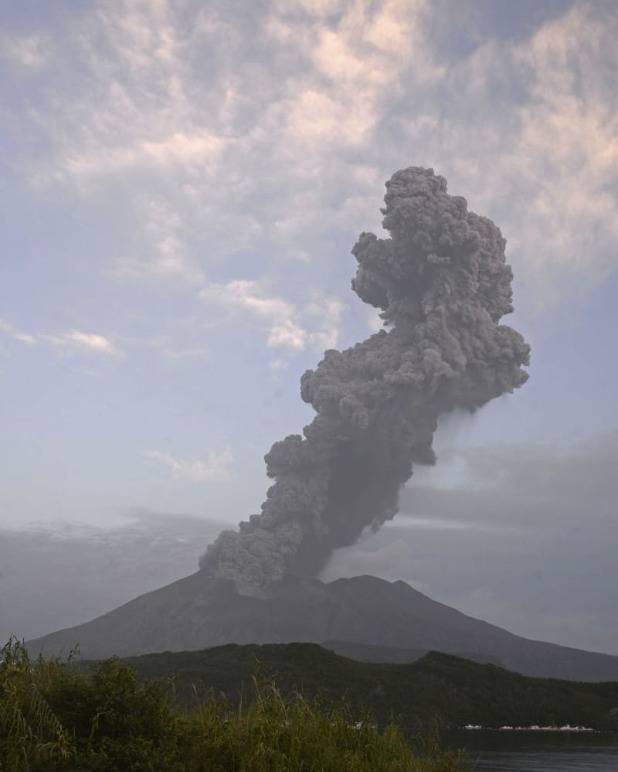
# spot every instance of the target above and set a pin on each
(567, 728)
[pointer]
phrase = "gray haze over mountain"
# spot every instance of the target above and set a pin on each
(441, 284)
(523, 536)
(56, 575)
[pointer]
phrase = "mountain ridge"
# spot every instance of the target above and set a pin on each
(437, 686)
(197, 612)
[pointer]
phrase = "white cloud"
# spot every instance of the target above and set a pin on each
(29, 51)
(287, 334)
(173, 350)
(167, 257)
(567, 151)
(77, 340)
(272, 129)
(73, 339)
(355, 65)
(216, 466)
(279, 314)
(135, 118)
(287, 325)
(327, 312)
(84, 341)
(319, 8)
(316, 117)
(217, 146)
(176, 149)
(528, 133)
(18, 335)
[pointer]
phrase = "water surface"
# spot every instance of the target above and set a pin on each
(537, 751)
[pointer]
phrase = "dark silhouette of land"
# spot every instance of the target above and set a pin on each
(453, 689)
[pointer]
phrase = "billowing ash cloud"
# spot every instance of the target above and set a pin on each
(442, 285)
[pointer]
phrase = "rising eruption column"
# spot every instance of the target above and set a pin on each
(442, 285)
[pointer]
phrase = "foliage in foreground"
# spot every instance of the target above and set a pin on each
(54, 718)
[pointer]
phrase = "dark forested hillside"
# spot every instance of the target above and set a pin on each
(441, 686)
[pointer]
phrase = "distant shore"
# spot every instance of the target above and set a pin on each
(533, 728)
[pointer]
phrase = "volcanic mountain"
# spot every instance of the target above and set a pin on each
(441, 284)
(362, 617)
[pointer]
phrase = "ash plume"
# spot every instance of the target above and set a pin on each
(442, 284)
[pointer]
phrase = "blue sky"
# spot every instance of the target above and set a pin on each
(181, 186)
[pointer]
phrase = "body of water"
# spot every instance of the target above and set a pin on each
(537, 751)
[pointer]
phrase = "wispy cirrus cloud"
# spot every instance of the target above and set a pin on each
(174, 350)
(552, 151)
(26, 51)
(165, 256)
(92, 343)
(172, 347)
(218, 157)
(76, 340)
(168, 151)
(19, 335)
(287, 326)
(272, 129)
(214, 468)
(88, 342)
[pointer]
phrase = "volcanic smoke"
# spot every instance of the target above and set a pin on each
(442, 284)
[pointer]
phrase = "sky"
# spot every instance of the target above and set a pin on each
(181, 186)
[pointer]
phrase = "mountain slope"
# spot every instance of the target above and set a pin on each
(196, 613)
(455, 689)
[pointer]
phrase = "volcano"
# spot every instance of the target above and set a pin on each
(441, 285)
(363, 617)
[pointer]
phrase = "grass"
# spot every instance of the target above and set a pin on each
(56, 717)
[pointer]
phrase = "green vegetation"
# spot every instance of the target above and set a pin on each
(56, 716)
(456, 691)
(205, 710)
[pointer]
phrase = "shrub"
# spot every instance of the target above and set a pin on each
(31, 735)
(55, 717)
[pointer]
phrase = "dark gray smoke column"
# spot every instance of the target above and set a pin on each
(442, 283)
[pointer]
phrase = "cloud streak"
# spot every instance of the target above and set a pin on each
(286, 325)
(75, 340)
(16, 334)
(85, 342)
(215, 468)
